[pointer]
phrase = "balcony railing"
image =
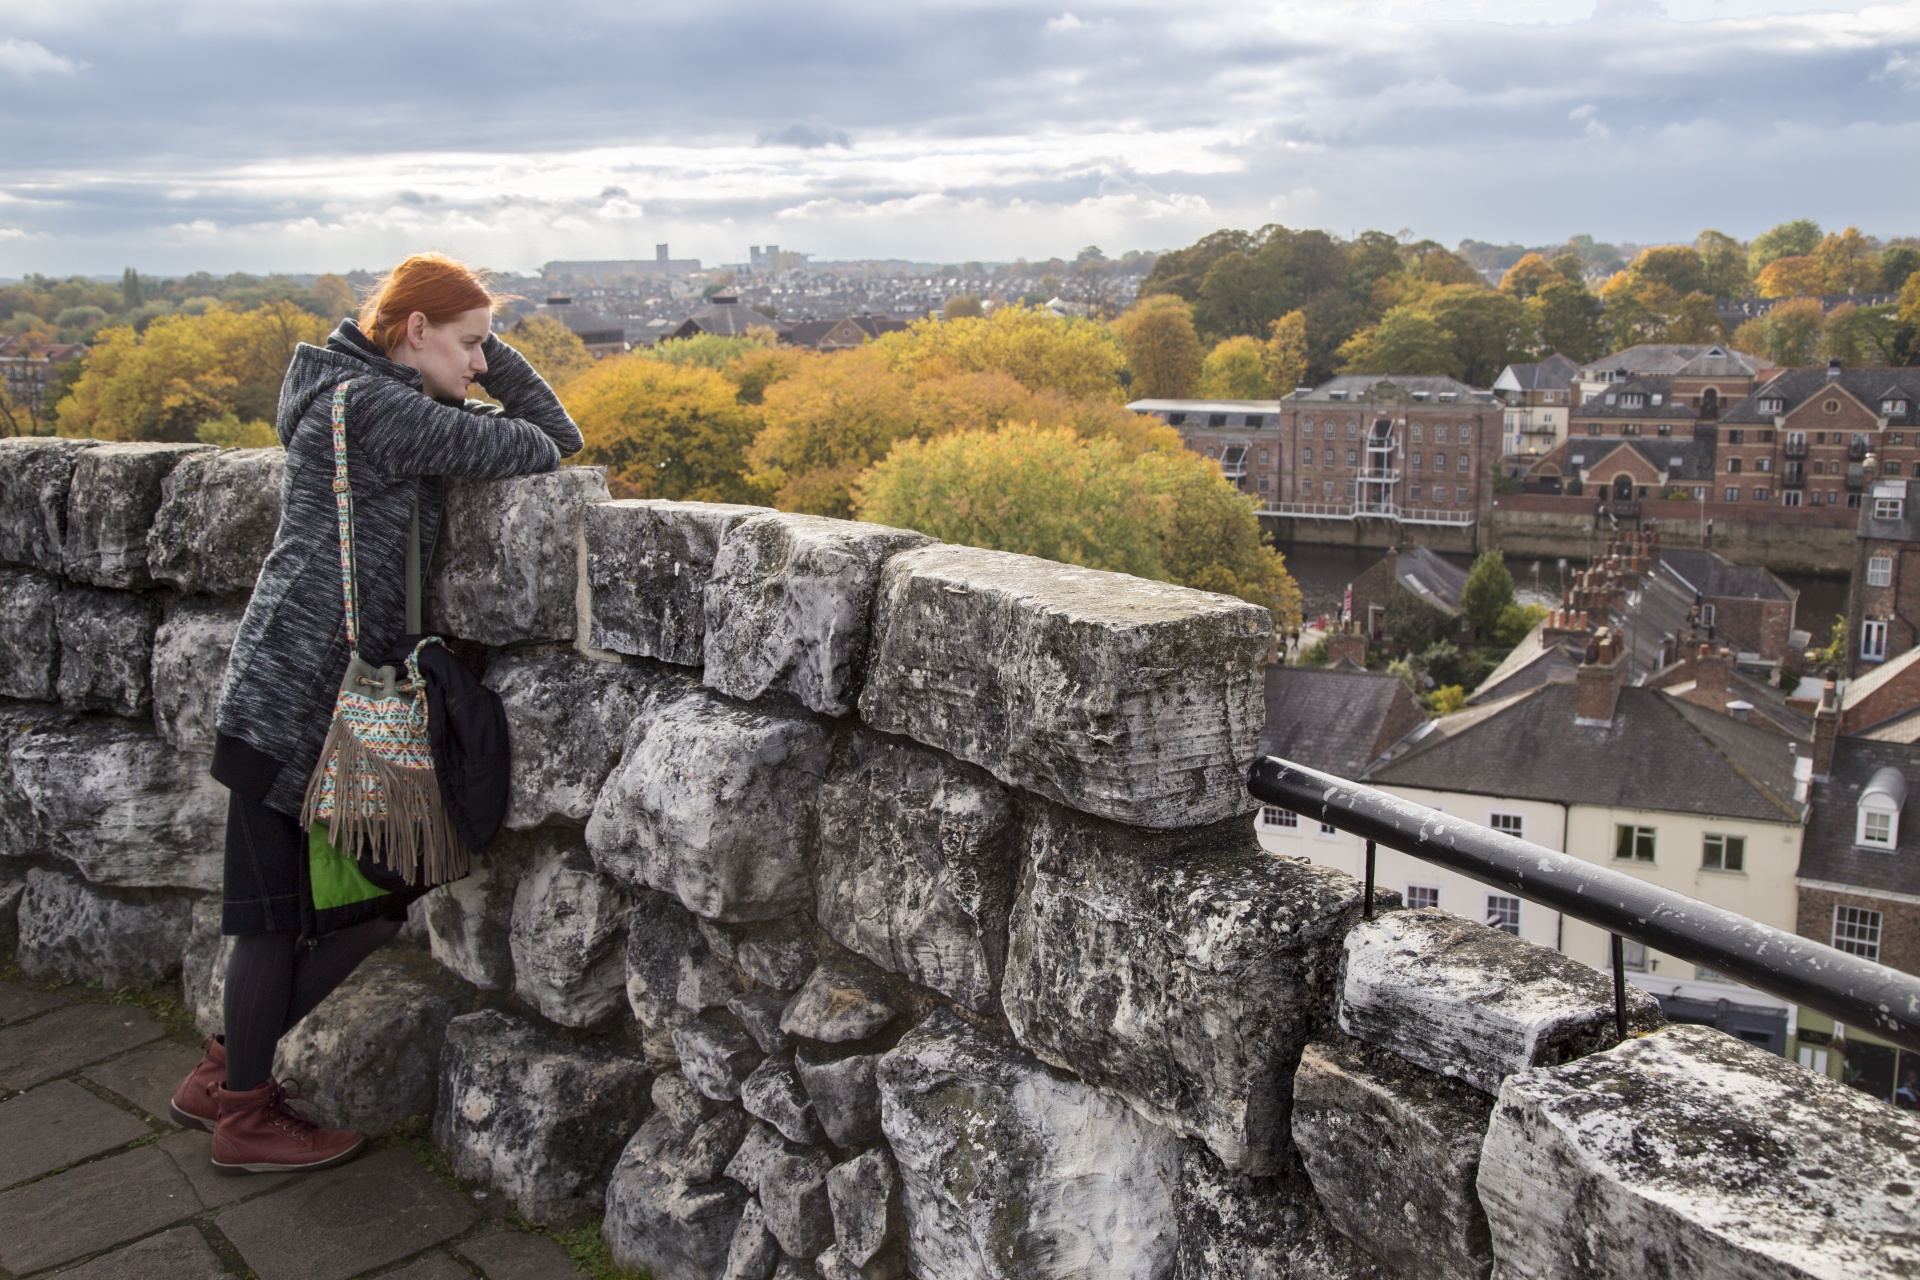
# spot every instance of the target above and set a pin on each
(1456, 519)
(1845, 987)
(1795, 448)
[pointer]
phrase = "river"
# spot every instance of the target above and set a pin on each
(1324, 572)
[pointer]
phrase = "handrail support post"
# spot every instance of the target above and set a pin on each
(1619, 948)
(1366, 903)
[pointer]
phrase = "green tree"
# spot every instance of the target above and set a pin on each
(1897, 264)
(1413, 624)
(1486, 329)
(1234, 370)
(131, 295)
(1487, 593)
(1788, 240)
(1163, 349)
(1517, 621)
(1565, 317)
(1405, 341)
(1723, 260)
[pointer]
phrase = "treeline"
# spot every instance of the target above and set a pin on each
(1376, 304)
(78, 309)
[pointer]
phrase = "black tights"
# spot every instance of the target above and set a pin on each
(273, 982)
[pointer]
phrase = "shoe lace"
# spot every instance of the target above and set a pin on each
(284, 1116)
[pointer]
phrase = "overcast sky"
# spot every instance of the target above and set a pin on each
(176, 135)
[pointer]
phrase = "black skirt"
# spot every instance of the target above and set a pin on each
(266, 888)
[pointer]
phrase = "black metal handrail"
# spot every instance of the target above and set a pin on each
(1845, 987)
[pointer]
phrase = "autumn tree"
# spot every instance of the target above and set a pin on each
(1052, 493)
(965, 306)
(1789, 334)
(664, 430)
(1234, 370)
(1848, 263)
(1565, 317)
(555, 351)
(756, 370)
(336, 298)
(825, 426)
(1527, 277)
(1039, 350)
(1897, 264)
(1406, 340)
(1163, 350)
(1788, 240)
(1284, 354)
(1723, 263)
(1792, 277)
(711, 350)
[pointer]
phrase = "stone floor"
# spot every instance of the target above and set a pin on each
(97, 1184)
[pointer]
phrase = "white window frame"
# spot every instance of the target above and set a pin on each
(1512, 824)
(1880, 571)
(1873, 640)
(1876, 827)
(1856, 931)
(1503, 913)
(1279, 818)
(1423, 895)
(1889, 508)
(1328, 829)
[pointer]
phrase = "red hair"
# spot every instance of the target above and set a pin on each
(431, 283)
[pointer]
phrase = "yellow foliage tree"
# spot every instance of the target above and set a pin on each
(664, 430)
(1848, 263)
(1791, 277)
(1528, 277)
(759, 369)
(186, 370)
(336, 295)
(555, 351)
(1285, 353)
(1039, 350)
(1163, 349)
(1234, 370)
(1049, 492)
(824, 425)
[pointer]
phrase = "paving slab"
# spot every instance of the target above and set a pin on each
(147, 1078)
(435, 1266)
(91, 1208)
(179, 1254)
(518, 1255)
(69, 1038)
(192, 1151)
(337, 1224)
(17, 1002)
(55, 1125)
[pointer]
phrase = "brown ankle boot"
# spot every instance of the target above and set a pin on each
(195, 1103)
(259, 1133)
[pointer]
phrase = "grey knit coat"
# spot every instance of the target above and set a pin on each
(291, 651)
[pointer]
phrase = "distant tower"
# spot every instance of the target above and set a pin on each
(660, 255)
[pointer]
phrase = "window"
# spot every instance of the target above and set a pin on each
(1724, 853)
(1876, 827)
(1888, 508)
(1761, 495)
(1893, 408)
(1853, 499)
(1503, 913)
(1413, 493)
(1891, 467)
(1326, 429)
(1632, 844)
(1263, 454)
(1440, 432)
(1306, 487)
(1326, 490)
(1856, 931)
(1466, 435)
(1416, 462)
(1419, 433)
(1736, 436)
(1773, 404)
(1511, 824)
(1306, 457)
(1633, 955)
(1790, 498)
(1873, 640)
(1439, 462)
(1732, 494)
(1763, 464)
(1880, 571)
(1271, 817)
(1463, 463)
(1733, 466)
(1256, 420)
(1328, 829)
(1353, 457)
(1707, 614)
(1263, 484)
(1422, 895)
(1216, 419)
(1460, 495)
(1176, 419)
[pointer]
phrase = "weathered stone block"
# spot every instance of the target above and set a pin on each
(506, 565)
(1072, 1182)
(569, 936)
(916, 865)
(106, 651)
(13, 886)
(863, 1193)
(754, 1252)
(716, 1055)
(120, 804)
(662, 1213)
(833, 1264)
(788, 605)
(661, 940)
(75, 932)
(190, 653)
(713, 802)
(1475, 1003)
(790, 1182)
(568, 717)
(648, 562)
(1134, 700)
(29, 635)
(1268, 1228)
(111, 503)
(368, 1056)
(841, 1002)
(773, 1093)
(469, 922)
(537, 1114)
(845, 1094)
(35, 472)
(759, 1012)
(1393, 1152)
(203, 968)
(218, 516)
(1689, 1153)
(21, 832)
(1185, 971)
(777, 954)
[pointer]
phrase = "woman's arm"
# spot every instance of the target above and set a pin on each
(404, 432)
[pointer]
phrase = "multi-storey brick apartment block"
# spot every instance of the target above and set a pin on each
(1707, 377)
(1818, 430)
(1883, 605)
(1419, 450)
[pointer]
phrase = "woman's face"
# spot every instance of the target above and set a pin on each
(447, 355)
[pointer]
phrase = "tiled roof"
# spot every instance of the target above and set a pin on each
(1431, 578)
(1714, 575)
(1555, 373)
(1668, 358)
(1904, 529)
(1359, 386)
(1827, 851)
(1658, 753)
(1796, 386)
(1647, 389)
(1529, 664)
(1327, 719)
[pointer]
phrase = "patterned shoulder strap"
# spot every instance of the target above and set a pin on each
(343, 503)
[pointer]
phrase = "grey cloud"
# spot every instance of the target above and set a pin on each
(807, 135)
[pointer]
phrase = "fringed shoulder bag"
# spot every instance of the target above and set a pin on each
(375, 788)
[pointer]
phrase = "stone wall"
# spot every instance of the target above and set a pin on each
(872, 907)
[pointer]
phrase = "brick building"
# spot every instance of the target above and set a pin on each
(1883, 603)
(29, 367)
(1706, 377)
(1242, 435)
(1813, 431)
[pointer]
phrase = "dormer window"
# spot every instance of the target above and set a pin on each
(1657, 397)
(1612, 398)
(1773, 404)
(1878, 824)
(1889, 508)
(1893, 408)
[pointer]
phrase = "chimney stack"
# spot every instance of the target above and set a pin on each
(1826, 732)
(1711, 671)
(1596, 684)
(1833, 369)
